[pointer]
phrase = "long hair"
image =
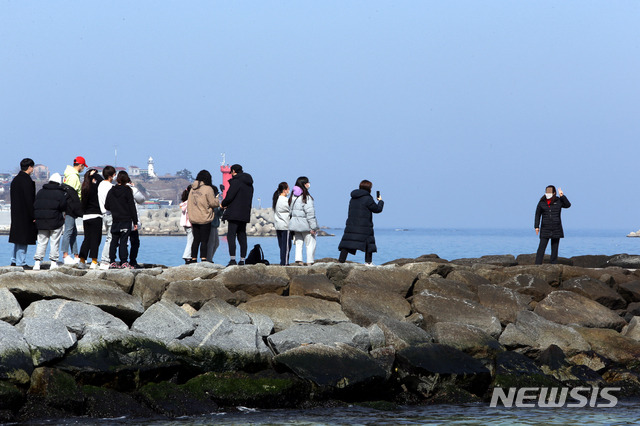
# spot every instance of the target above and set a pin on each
(281, 187)
(185, 194)
(544, 197)
(301, 183)
(205, 177)
(123, 178)
(86, 184)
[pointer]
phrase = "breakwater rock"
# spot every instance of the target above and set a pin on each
(194, 339)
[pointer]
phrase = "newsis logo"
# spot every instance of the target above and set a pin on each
(548, 397)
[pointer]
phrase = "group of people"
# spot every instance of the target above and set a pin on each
(49, 217)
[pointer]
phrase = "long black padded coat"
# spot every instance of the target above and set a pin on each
(239, 198)
(551, 226)
(358, 232)
(23, 195)
(50, 205)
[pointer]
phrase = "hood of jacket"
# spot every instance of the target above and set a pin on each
(120, 191)
(70, 170)
(359, 193)
(244, 178)
(196, 184)
(53, 185)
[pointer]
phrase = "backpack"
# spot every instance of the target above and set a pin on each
(256, 256)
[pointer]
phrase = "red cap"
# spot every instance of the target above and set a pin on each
(80, 160)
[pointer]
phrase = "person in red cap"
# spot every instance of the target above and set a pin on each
(69, 244)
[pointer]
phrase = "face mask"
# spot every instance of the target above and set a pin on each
(308, 185)
(549, 196)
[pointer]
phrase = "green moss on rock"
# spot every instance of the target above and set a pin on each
(11, 397)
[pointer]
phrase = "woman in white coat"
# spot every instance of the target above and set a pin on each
(281, 220)
(302, 220)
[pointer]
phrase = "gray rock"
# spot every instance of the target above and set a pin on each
(48, 338)
(188, 272)
(625, 261)
(469, 278)
(446, 287)
(567, 307)
(630, 291)
(253, 279)
(595, 290)
(551, 274)
(219, 307)
(632, 330)
(530, 285)
(10, 310)
(429, 268)
(75, 316)
(389, 279)
(164, 321)
(376, 337)
(401, 334)
(314, 285)
(57, 389)
(591, 261)
(466, 338)
(101, 293)
(503, 301)
(330, 335)
(263, 322)
(437, 308)
(288, 311)
(15, 357)
(366, 305)
(149, 289)
(124, 278)
(196, 292)
(532, 330)
(218, 333)
(611, 344)
(497, 260)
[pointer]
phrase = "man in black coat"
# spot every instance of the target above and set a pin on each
(49, 209)
(358, 232)
(237, 205)
(23, 230)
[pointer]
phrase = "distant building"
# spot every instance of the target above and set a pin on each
(151, 173)
(5, 177)
(40, 172)
(134, 171)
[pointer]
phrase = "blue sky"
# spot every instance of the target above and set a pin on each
(460, 112)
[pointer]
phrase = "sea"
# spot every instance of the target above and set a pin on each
(450, 244)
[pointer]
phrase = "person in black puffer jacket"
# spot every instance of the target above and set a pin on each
(358, 233)
(91, 219)
(549, 209)
(125, 219)
(49, 208)
(237, 205)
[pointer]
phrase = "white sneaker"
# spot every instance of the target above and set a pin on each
(69, 260)
(54, 265)
(369, 264)
(36, 265)
(94, 266)
(104, 266)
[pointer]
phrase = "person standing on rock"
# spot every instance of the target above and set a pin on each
(108, 173)
(91, 219)
(23, 231)
(302, 220)
(139, 198)
(70, 235)
(214, 236)
(186, 225)
(281, 218)
(549, 209)
(237, 205)
(358, 232)
(125, 219)
(201, 204)
(49, 208)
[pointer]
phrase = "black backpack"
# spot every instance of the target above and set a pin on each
(256, 256)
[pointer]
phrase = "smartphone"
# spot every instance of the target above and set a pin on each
(377, 194)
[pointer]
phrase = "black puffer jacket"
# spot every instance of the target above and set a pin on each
(239, 197)
(550, 214)
(358, 233)
(90, 203)
(50, 204)
(74, 205)
(121, 204)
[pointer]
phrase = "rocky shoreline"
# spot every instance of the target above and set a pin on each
(168, 342)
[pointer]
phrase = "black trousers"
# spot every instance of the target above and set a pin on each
(555, 243)
(200, 239)
(284, 242)
(237, 230)
(135, 247)
(92, 236)
(368, 256)
(119, 238)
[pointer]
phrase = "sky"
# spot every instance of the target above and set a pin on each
(459, 112)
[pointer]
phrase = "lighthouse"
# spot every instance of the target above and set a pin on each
(226, 175)
(150, 171)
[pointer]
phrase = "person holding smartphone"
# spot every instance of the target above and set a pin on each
(548, 210)
(358, 232)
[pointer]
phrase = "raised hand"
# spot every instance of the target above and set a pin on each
(560, 193)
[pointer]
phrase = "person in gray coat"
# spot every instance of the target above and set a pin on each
(303, 220)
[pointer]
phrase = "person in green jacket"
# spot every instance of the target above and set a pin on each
(69, 244)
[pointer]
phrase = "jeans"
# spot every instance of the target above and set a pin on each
(555, 243)
(70, 236)
(309, 241)
(200, 239)
(284, 242)
(238, 230)
(107, 221)
(187, 249)
(368, 256)
(213, 244)
(44, 237)
(19, 255)
(92, 236)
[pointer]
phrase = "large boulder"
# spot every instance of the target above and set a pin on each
(330, 335)
(466, 338)
(437, 308)
(10, 310)
(400, 334)
(164, 321)
(551, 274)
(445, 287)
(469, 278)
(506, 303)
(149, 289)
(633, 329)
(196, 292)
(263, 322)
(56, 389)
(77, 317)
(252, 279)
(288, 311)
(314, 285)
(611, 344)
(497, 260)
(101, 293)
(365, 305)
(15, 357)
(516, 370)
(188, 272)
(533, 331)
(530, 285)
(567, 307)
(389, 279)
(630, 291)
(219, 307)
(595, 290)
(625, 261)
(48, 338)
(123, 277)
(591, 261)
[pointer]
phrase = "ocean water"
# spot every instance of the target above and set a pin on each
(393, 244)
